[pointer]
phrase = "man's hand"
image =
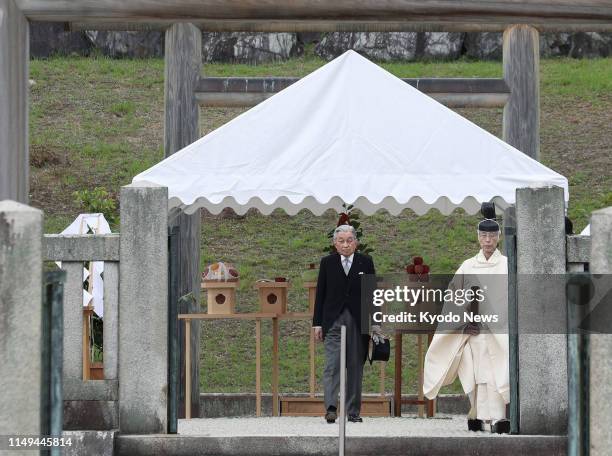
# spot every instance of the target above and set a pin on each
(377, 336)
(318, 333)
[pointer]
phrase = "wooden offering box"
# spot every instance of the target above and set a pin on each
(272, 296)
(221, 296)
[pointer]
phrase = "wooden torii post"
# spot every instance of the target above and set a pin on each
(183, 59)
(518, 92)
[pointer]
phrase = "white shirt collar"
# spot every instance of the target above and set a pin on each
(342, 257)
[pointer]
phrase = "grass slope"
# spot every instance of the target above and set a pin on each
(98, 122)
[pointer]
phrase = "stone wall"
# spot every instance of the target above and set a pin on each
(254, 48)
(47, 39)
(450, 46)
(393, 45)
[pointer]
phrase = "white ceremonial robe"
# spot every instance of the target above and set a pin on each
(481, 362)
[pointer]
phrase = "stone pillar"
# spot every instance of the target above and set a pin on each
(509, 233)
(600, 365)
(73, 321)
(183, 58)
(521, 60)
(110, 330)
(542, 358)
(143, 310)
(14, 60)
(20, 319)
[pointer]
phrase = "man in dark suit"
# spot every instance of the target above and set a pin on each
(338, 302)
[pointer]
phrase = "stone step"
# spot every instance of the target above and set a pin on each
(88, 443)
(289, 436)
(468, 445)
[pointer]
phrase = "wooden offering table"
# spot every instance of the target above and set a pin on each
(312, 294)
(422, 331)
(291, 406)
(397, 394)
(311, 348)
(244, 316)
(257, 317)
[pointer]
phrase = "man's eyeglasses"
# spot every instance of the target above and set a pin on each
(345, 241)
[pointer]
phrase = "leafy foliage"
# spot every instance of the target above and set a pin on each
(349, 217)
(97, 200)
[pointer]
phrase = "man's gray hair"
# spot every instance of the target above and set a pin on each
(345, 229)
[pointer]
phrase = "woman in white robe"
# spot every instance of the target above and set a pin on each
(478, 355)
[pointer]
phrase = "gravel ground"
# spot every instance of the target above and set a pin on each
(440, 426)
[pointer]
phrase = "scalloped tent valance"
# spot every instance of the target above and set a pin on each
(348, 132)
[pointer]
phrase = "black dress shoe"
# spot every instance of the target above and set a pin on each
(355, 419)
(331, 415)
(501, 427)
(475, 425)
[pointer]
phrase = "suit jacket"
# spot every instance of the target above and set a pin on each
(336, 290)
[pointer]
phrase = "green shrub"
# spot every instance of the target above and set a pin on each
(97, 200)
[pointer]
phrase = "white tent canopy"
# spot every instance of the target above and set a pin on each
(348, 132)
